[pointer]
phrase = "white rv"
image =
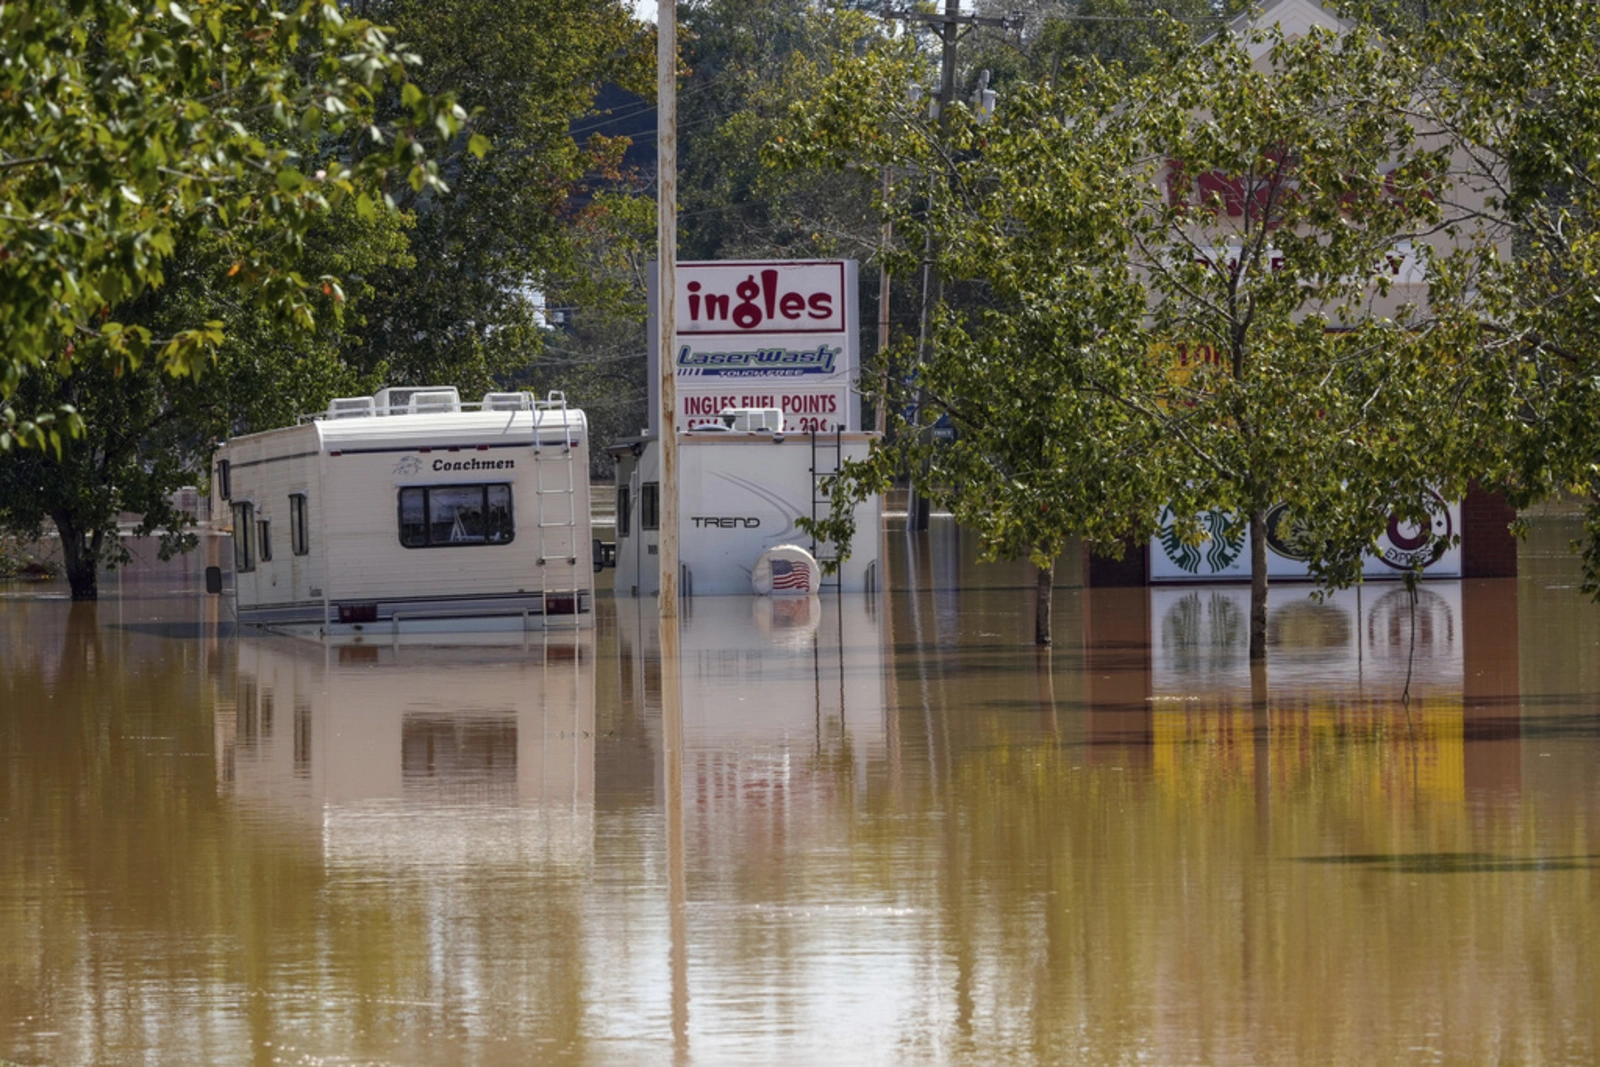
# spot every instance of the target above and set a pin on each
(741, 488)
(411, 511)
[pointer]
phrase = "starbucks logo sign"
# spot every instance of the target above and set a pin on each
(1222, 540)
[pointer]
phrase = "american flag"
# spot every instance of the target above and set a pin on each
(788, 574)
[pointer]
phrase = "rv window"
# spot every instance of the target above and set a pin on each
(264, 539)
(623, 510)
(650, 506)
(439, 515)
(224, 480)
(244, 528)
(299, 535)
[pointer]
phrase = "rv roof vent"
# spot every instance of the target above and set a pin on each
(431, 401)
(350, 407)
(507, 401)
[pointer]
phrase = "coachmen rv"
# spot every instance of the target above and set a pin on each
(409, 511)
(741, 488)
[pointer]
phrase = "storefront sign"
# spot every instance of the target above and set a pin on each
(763, 334)
(1223, 553)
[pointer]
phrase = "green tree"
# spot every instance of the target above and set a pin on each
(148, 432)
(1030, 215)
(518, 225)
(1293, 187)
(1246, 195)
(126, 130)
(1060, 41)
(1516, 90)
(749, 61)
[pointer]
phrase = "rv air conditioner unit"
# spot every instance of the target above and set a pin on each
(507, 401)
(745, 420)
(758, 420)
(400, 399)
(350, 407)
(433, 401)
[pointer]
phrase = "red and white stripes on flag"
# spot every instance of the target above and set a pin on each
(791, 575)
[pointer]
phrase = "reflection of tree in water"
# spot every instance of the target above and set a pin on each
(1203, 630)
(1308, 625)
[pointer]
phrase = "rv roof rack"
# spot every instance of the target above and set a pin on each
(434, 399)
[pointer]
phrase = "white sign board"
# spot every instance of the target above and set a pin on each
(763, 334)
(1224, 552)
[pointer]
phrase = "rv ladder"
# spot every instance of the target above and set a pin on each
(827, 453)
(556, 492)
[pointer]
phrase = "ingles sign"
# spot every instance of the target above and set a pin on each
(762, 298)
(765, 334)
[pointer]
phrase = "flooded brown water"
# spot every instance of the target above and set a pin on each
(873, 831)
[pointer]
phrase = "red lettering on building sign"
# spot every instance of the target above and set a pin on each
(706, 405)
(755, 302)
(810, 405)
(1197, 354)
(1262, 195)
(1275, 260)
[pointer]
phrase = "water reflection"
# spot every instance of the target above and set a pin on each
(453, 756)
(862, 829)
(1366, 678)
(801, 678)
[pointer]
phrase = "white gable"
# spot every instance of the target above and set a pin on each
(1294, 17)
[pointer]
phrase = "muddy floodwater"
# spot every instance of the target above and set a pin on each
(861, 830)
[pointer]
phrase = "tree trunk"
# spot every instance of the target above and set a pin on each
(80, 558)
(1258, 583)
(1043, 596)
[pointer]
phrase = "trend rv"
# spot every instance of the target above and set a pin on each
(742, 484)
(409, 510)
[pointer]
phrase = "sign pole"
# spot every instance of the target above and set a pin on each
(667, 293)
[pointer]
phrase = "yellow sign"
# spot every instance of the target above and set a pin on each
(1184, 361)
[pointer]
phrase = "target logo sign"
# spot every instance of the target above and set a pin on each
(1408, 545)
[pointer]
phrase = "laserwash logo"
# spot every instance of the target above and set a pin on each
(758, 362)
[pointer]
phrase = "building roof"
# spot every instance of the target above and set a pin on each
(1295, 18)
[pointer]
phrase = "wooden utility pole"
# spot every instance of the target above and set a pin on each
(667, 294)
(881, 420)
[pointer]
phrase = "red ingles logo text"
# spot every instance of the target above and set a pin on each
(801, 298)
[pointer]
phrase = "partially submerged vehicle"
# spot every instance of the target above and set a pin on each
(742, 484)
(411, 511)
